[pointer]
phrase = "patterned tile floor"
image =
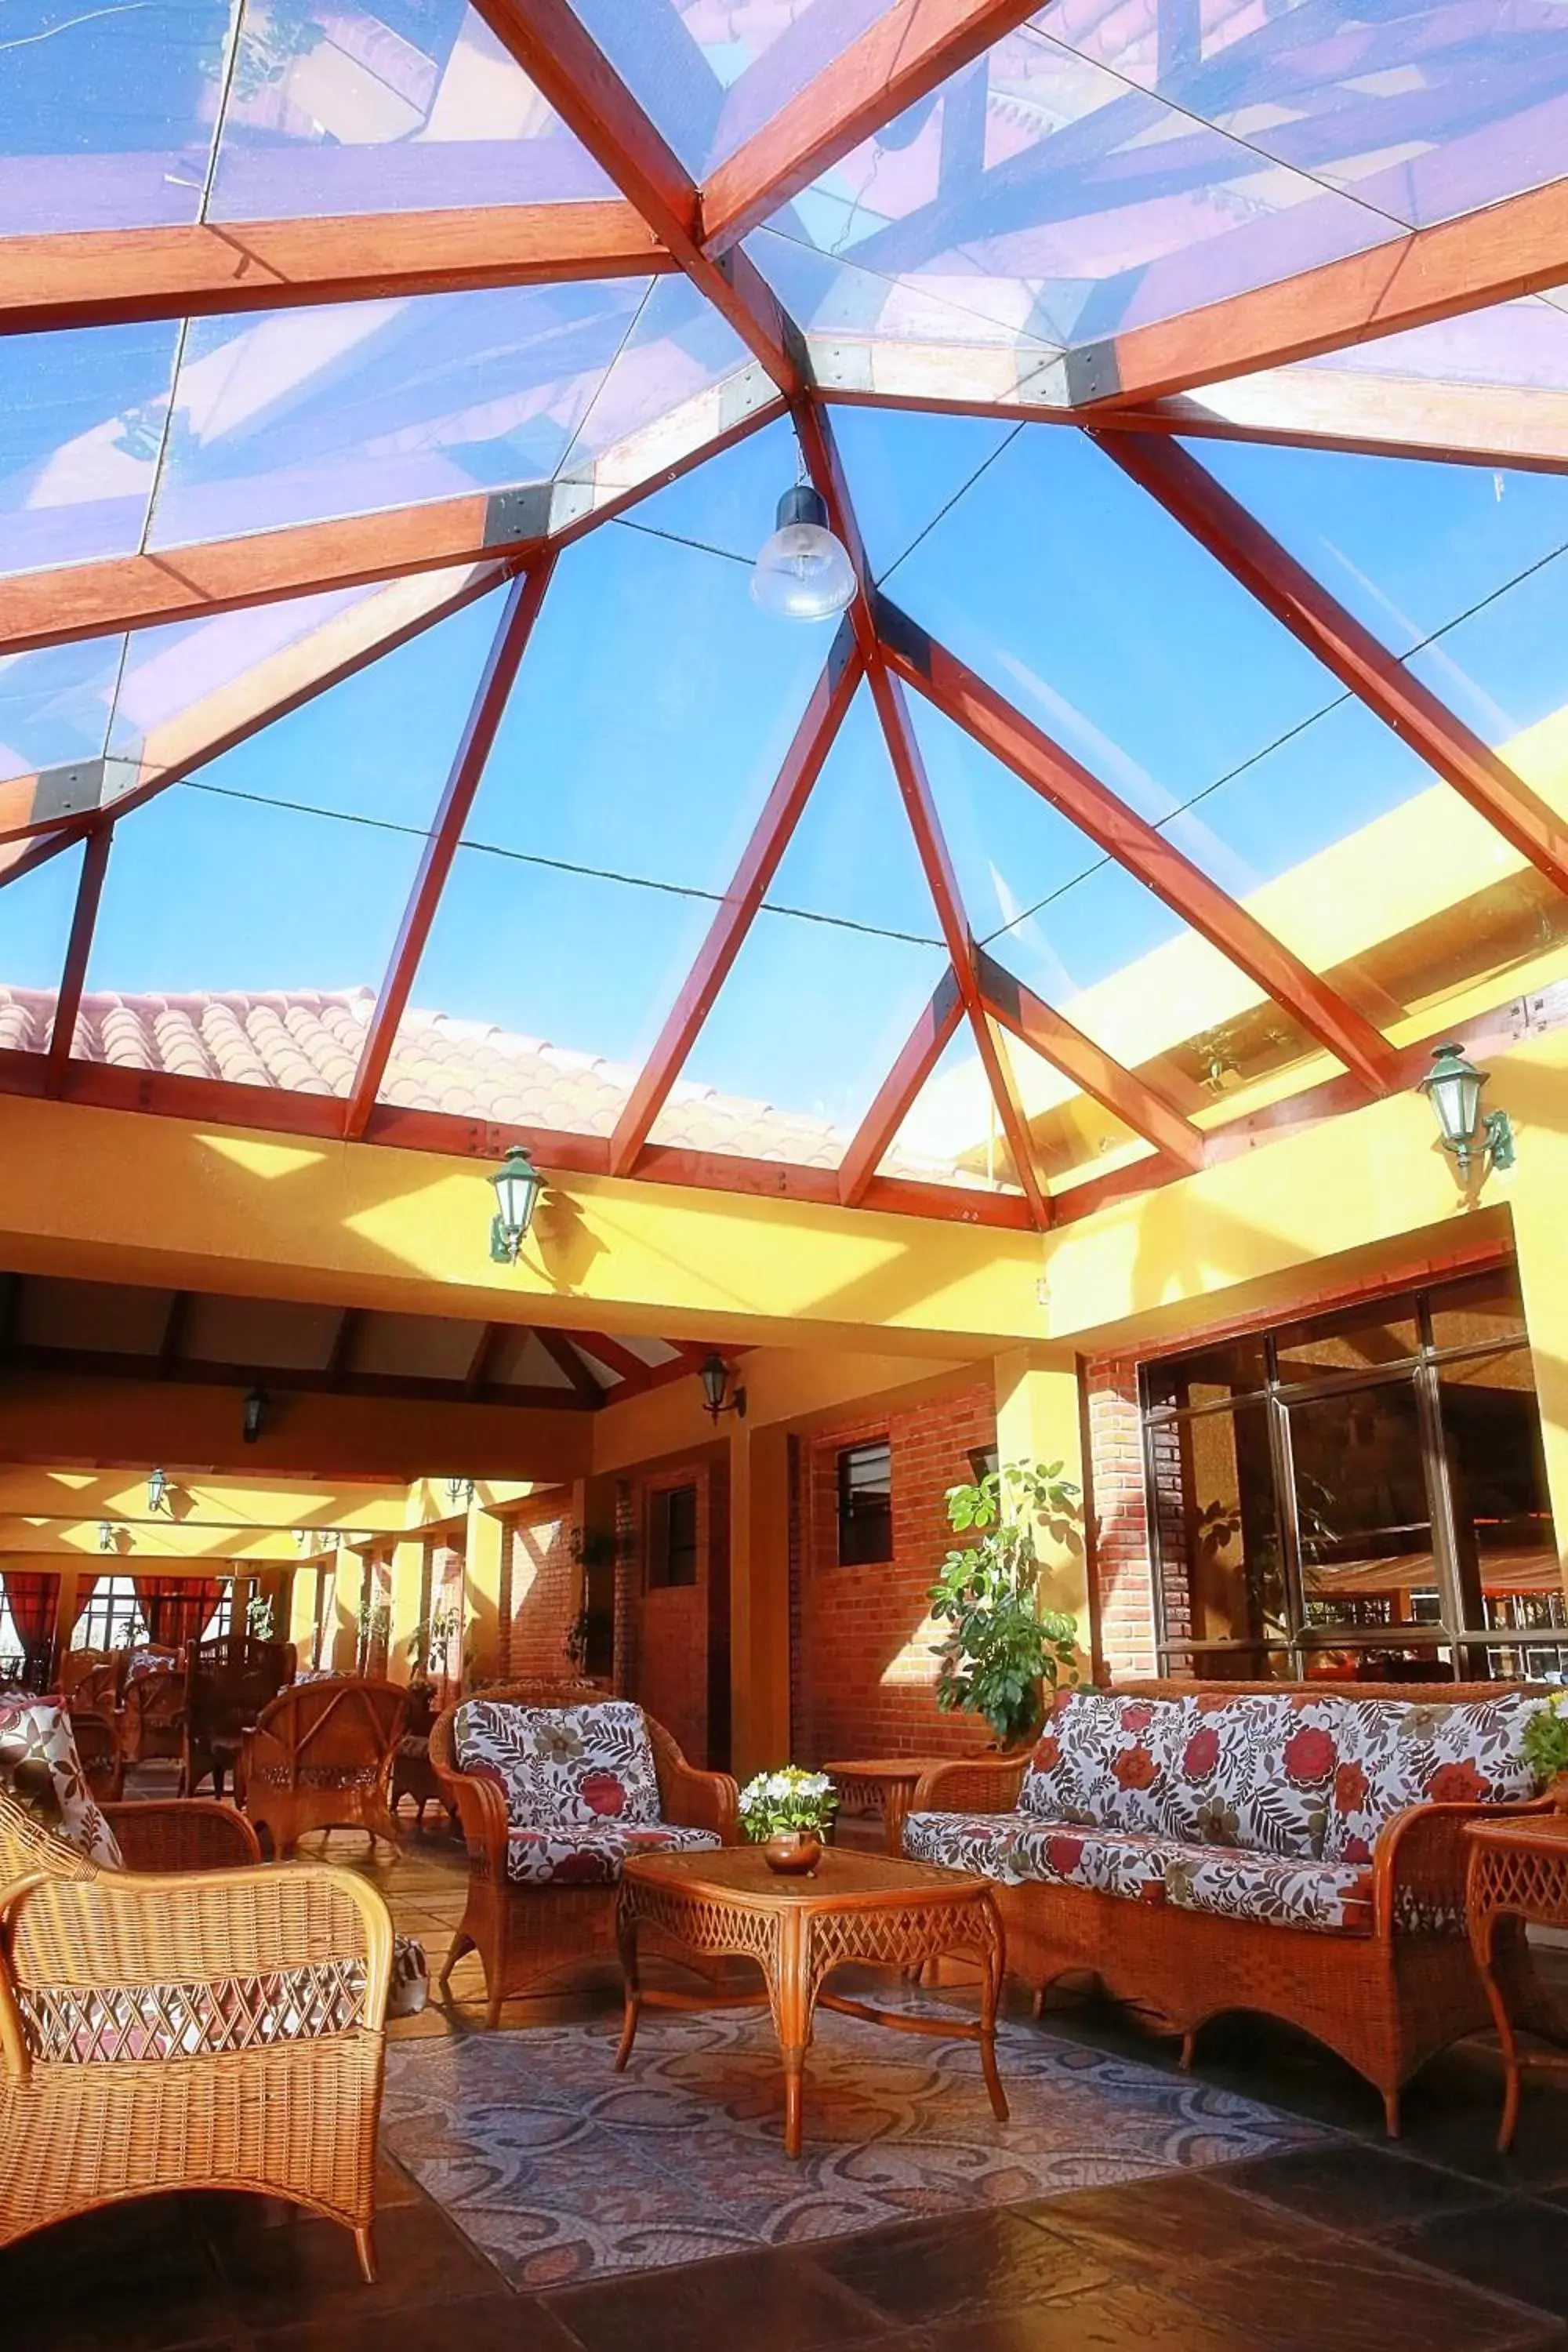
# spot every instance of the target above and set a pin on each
(1342, 2241)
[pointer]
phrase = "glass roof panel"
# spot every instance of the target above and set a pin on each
(726, 504)
(681, 375)
(36, 913)
(951, 1132)
(653, 710)
(107, 114)
(1489, 381)
(1043, 192)
(905, 468)
(82, 418)
(832, 974)
(1078, 597)
(1408, 544)
(285, 917)
(710, 75)
(297, 416)
(54, 709)
(1502, 668)
(413, 105)
(1425, 110)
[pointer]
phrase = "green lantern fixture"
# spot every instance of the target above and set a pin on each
(1453, 1087)
(158, 1492)
(518, 1184)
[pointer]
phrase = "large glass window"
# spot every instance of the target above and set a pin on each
(1361, 1493)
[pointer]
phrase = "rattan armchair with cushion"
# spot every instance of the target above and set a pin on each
(178, 2026)
(552, 1799)
(320, 1757)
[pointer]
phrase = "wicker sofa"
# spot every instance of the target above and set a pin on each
(1296, 1850)
(552, 1798)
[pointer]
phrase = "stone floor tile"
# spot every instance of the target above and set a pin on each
(495, 2322)
(282, 2277)
(1358, 2299)
(130, 2278)
(1175, 2221)
(962, 2268)
(777, 2301)
(1359, 2188)
(1519, 2249)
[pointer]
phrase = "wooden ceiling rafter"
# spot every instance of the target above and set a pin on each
(524, 600)
(822, 460)
(566, 1357)
(288, 1379)
(938, 1025)
(1141, 848)
(1345, 647)
(814, 739)
(79, 948)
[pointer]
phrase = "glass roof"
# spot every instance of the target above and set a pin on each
(1195, 381)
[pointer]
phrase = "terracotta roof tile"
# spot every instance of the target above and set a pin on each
(310, 1041)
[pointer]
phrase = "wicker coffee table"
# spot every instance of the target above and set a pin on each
(855, 1908)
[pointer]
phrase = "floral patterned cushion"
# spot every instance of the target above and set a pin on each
(1017, 1847)
(583, 1855)
(576, 1764)
(1124, 1763)
(1297, 1740)
(1399, 1752)
(1288, 1890)
(41, 1769)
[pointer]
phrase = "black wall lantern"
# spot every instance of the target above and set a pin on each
(717, 1395)
(255, 1410)
(518, 1184)
(1453, 1087)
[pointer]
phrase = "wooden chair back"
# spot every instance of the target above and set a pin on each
(228, 1681)
(154, 1715)
(75, 1665)
(98, 1691)
(343, 1732)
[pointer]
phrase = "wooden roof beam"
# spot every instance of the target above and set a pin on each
(96, 278)
(563, 1354)
(1140, 847)
(803, 763)
(1358, 659)
(506, 648)
(920, 806)
(932, 1034)
(910, 49)
(78, 947)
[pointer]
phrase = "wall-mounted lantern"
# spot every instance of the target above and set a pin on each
(158, 1492)
(257, 1405)
(717, 1393)
(1453, 1087)
(518, 1184)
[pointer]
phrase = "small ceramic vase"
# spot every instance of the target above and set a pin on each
(794, 1853)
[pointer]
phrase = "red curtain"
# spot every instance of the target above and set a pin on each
(181, 1609)
(33, 1603)
(86, 1586)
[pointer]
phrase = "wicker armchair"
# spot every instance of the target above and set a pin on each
(525, 1934)
(320, 1757)
(186, 2027)
(228, 1681)
(152, 1717)
(78, 1666)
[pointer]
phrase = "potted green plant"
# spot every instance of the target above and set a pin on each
(1545, 1746)
(1002, 1651)
(788, 1813)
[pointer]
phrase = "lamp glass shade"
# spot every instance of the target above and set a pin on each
(1453, 1088)
(714, 1376)
(803, 573)
(518, 1184)
(157, 1488)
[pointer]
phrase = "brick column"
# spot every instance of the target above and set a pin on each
(1125, 1576)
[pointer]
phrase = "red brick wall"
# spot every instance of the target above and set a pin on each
(864, 1680)
(1123, 1578)
(540, 1592)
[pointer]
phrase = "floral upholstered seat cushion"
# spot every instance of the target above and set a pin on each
(1015, 1848)
(566, 1764)
(1106, 1759)
(40, 1768)
(571, 1853)
(1286, 1890)
(1399, 1752)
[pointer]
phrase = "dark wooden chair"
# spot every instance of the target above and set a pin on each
(320, 1757)
(228, 1681)
(152, 1707)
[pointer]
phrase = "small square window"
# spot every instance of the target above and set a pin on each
(865, 1504)
(672, 1537)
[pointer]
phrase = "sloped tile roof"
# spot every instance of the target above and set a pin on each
(307, 1042)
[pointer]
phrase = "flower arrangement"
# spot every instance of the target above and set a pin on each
(789, 1798)
(1545, 1741)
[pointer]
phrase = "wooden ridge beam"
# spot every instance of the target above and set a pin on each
(186, 583)
(288, 1378)
(910, 49)
(823, 464)
(1344, 645)
(513, 630)
(814, 739)
(78, 947)
(561, 1352)
(1140, 847)
(1090, 1068)
(927, 1041)
(1516, 246)
(96, 278)
(556, 49)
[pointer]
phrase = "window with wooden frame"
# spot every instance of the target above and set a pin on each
(671, 1537)
(866, 1504)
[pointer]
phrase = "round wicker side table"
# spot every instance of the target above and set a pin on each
(1518, 1872)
